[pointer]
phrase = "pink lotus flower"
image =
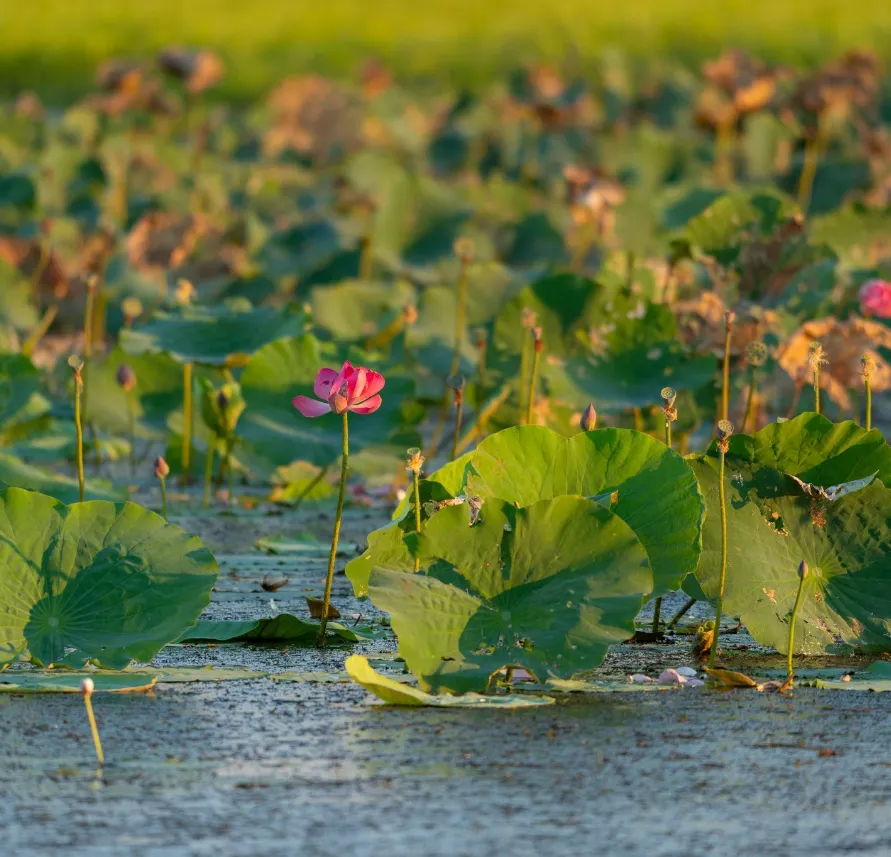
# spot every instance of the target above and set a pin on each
(875, 298)
(353, 388)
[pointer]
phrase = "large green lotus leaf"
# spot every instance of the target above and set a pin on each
(876, 678)
(386, 547)
(214, 337)
(647, 485)
(111, 582)
(355, 310)
(771, 527)
(630, 379)
(15, 473)
(277, 433)
(20, 399)
(283, 627)
(300, 250)
(158, 392)
(817, 450)
(548, 588)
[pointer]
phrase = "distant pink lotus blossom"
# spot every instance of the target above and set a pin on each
(353, 388)
(875, 298)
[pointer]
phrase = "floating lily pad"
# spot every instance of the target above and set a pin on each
(876, 677)
(547, 588)
(396, 693)
(69, 681)
(281, 628)
(95, 580)
(184, 675)
(772, 525)
(312, 677)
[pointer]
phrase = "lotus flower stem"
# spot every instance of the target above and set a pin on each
(131, 420)
(750, 398)
(867, 365)
(464, 251)
(538, 345)
(657, 614)
(413, 465)
(187, 422)
(725, 429)
(231, 498)
(724, 146)
(87, 686)
(481, 345)
(729, 318)
(459, 415)
(816, 358)
(802, 575)
(681, 613)
(208, 468)
(77, 366)
(33, 340)
(366, 259)
(484, 415)
(812, 149)
(335, 538)
(162, 471)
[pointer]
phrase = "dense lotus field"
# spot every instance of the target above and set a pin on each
(573, 347)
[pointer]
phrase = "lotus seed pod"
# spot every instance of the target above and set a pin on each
(185, 293)
(536, 336)
(802, 570)
(87, 686)
(867, 365)
(669, 394)
(729, 318)
(757, 353)
(464, 250)
(816, 357)
(126, 378)
(162, 468)
(75, 363)
(589, 418)
(725, 429)
(131, 308)
(455, 382)
(414, 460)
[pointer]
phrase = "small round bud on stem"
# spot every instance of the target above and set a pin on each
(729, 318)
(126, 378)
(162, 468)
(77, 365)
(414, 460)
(536, 336)
(803, 570)
(409, 314)
(87, 686)
(464, 250)
(132, 309)
(589, 418)
(669, 395)
(92, 283)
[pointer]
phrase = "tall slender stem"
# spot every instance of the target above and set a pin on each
(750, 399)
(231, 497)
(725, 391)
(459, 414)
(724, 146)
(802, 574)
(366, 260)
(131, 419)
(31, 343)
(533, 377)
(187, 422)
(416, 479)
(524, 371)
(208, 468)
(93, 728)
(720, 606)
(816, 389)
(681, 613)
(163, 497)
(868, 385)
(79, 427)
(812, 149)
(335, 538)
(460, 317)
